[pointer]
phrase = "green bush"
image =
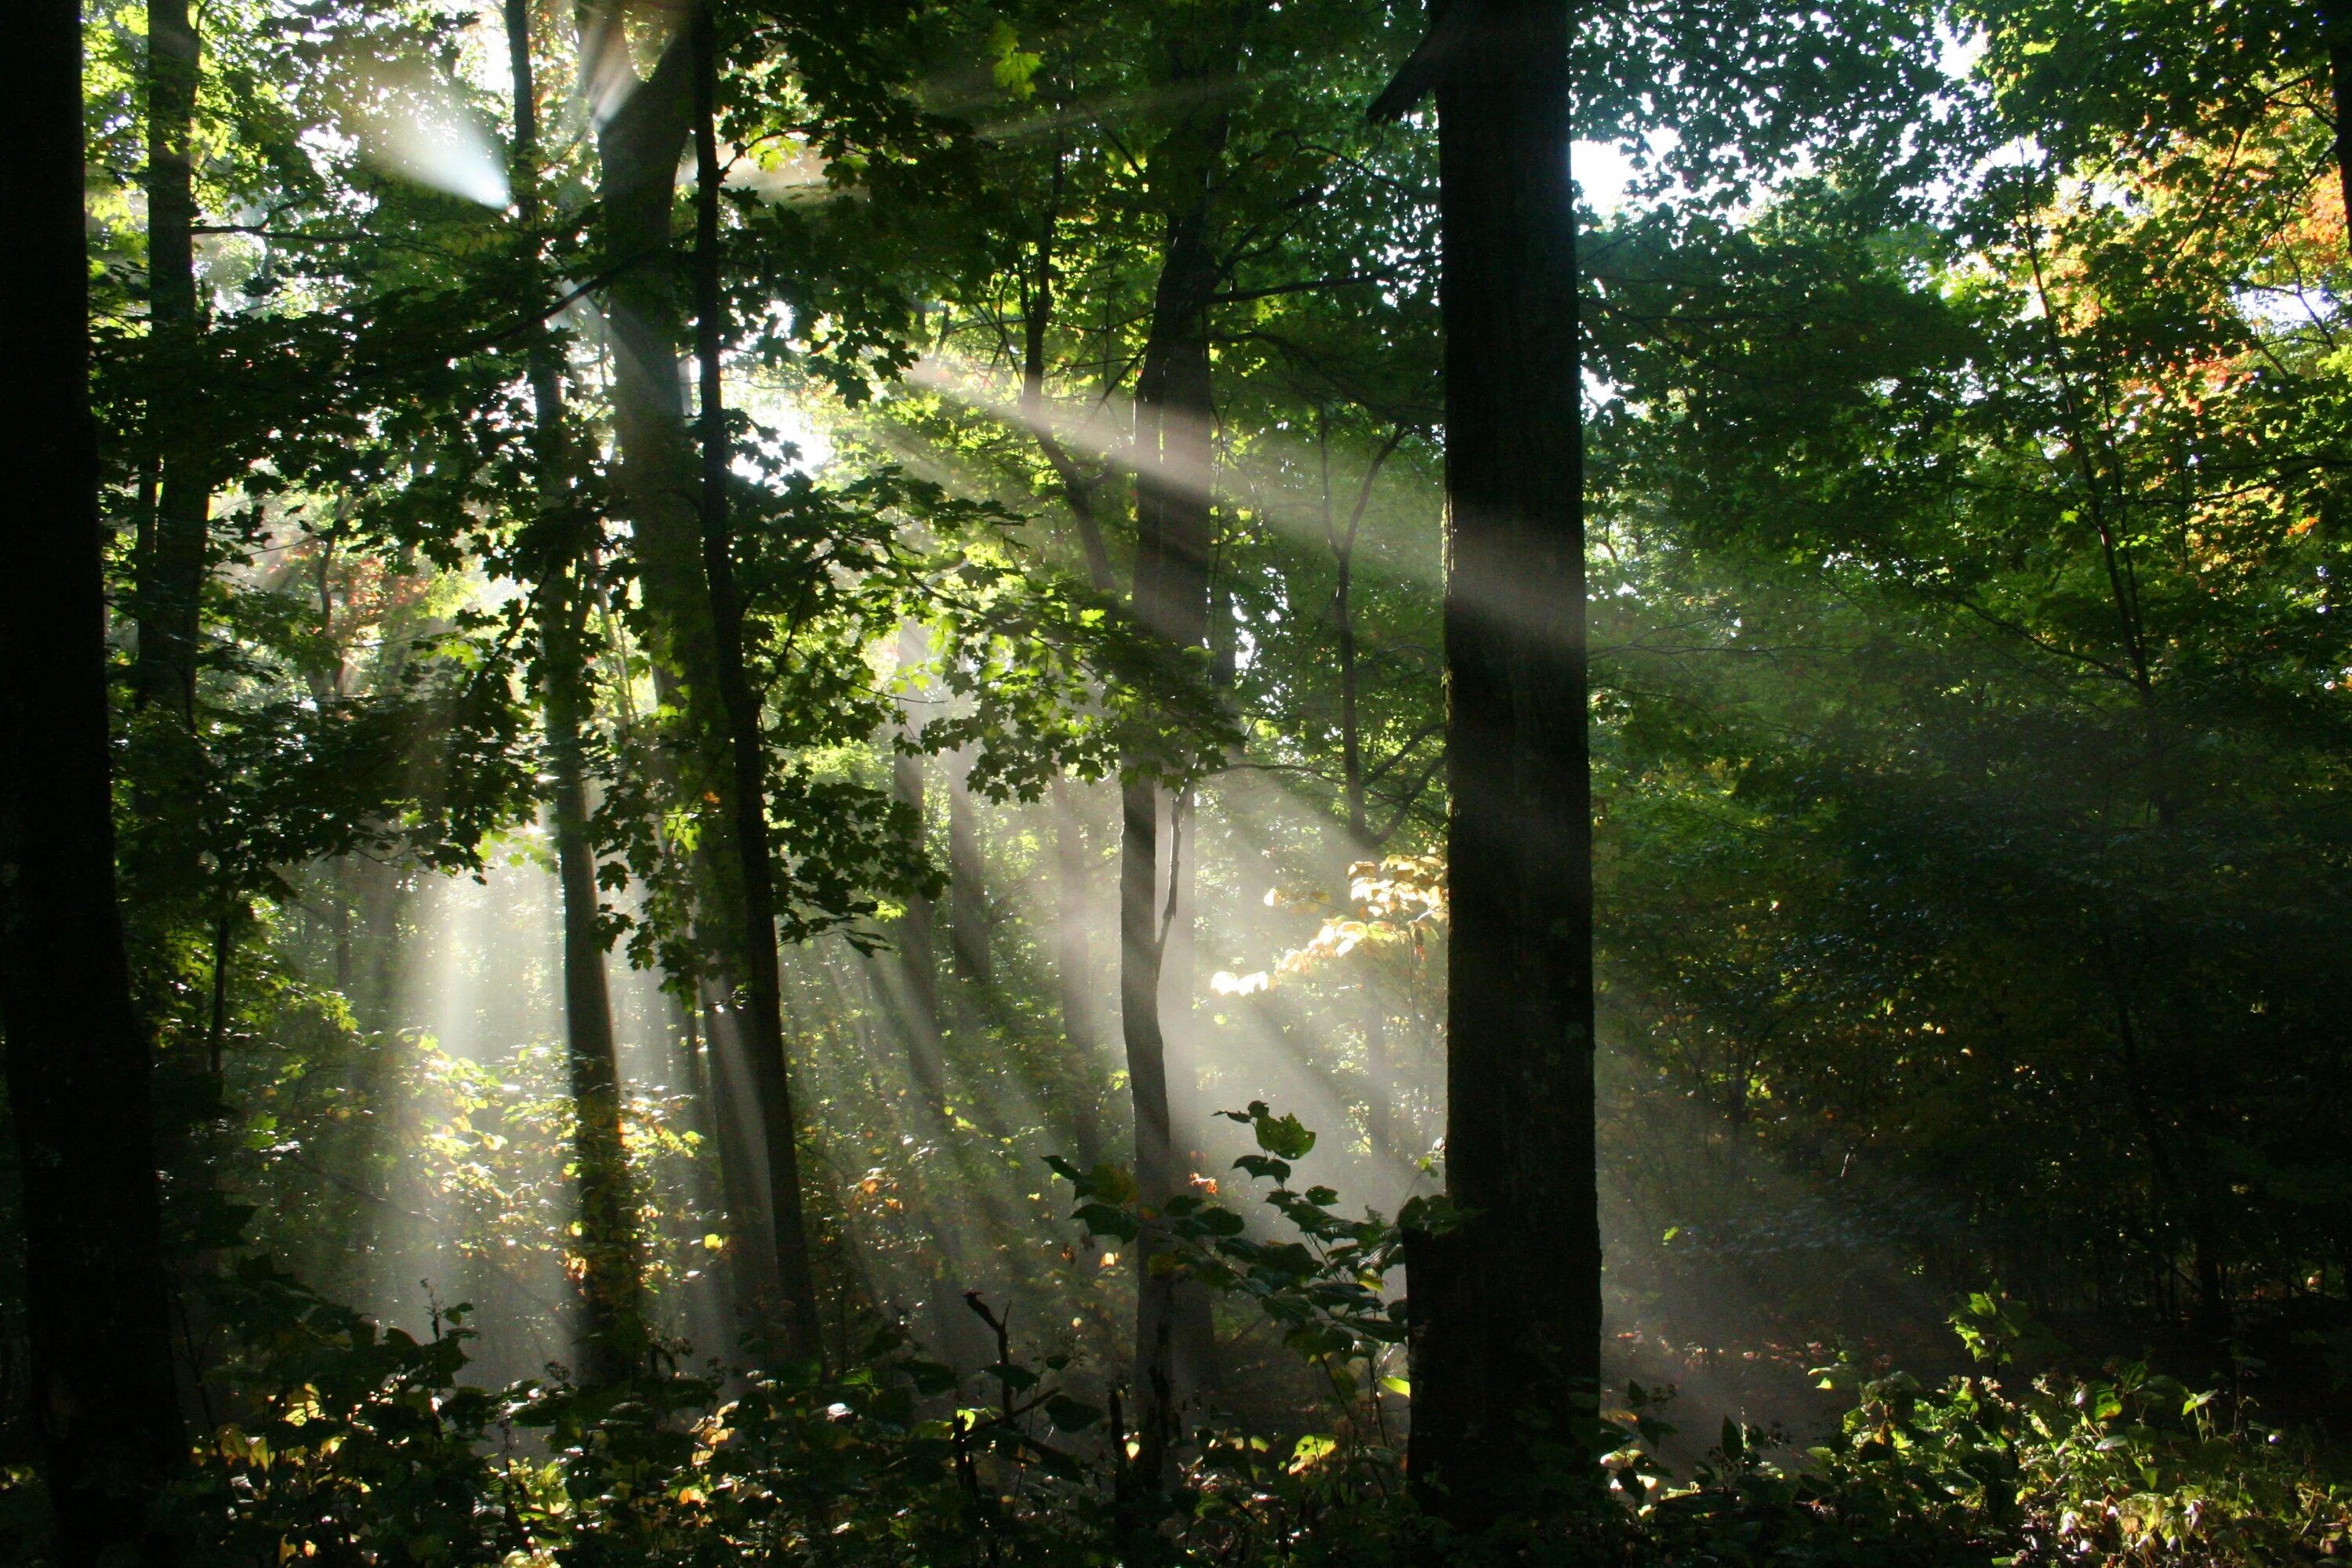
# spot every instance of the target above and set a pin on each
(352, 1446)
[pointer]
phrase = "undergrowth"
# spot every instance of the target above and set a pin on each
(351, 1444)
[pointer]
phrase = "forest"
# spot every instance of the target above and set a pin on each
(1263, 782)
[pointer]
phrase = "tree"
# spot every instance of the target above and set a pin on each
(1173, 529)
(2018, 498)
(172, 554)
(1508, 1334)
(78, 1061)
(611, 1278)
(658, 487)
(967, 880)
(2149, 83)
(758, 976)
(916, 996)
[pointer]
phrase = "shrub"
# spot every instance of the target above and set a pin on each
(348, 1445)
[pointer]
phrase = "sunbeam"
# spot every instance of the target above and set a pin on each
(414, 124)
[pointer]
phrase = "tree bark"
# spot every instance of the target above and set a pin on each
(1073, 967)
(1155, 1153)
(707, 1297)
(1171, 599)
(1072, 960)
(967, 881)
(79, 1069)
(736, 1135)
(1078, 487)
(918, 1003)
(1384, 1124)
(656, 486)
(1506, 1309)
(612, 1340)
(172, 569)
(759, 981)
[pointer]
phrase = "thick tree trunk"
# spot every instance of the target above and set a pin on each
(759, 981)
(1507, 1309)
(657, 481)
(656, 486)
(736, 1135)
(77, 1063)
(172, 569)
(613, 1336)
(1173, 526)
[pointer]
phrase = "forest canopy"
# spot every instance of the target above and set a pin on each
(1274, 781)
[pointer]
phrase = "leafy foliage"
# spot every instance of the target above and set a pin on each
(1967, 425)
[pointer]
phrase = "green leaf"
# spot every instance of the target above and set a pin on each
(1310, 1451)
(1264, 1168)
(1285, 1136)
(1068, 1414)
(1012, 66)
(929, 1376)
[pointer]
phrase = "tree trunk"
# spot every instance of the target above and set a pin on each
(1383, 1123)
(1506, 1309)
(735, 1133)
(611, 1282)
(613, 1332)
(1193, 1344)
(1078, 487)
(1072, 961)
(917, 1002)
(1173, 522)
(967, 881)
(1073, 975)
(656, 484)
(709, 1299)
(759, 981)
(1155, 1155)
(657, 481)
(79, 1072)
(2336, 22)
(2182, 1186)
(171, 570)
